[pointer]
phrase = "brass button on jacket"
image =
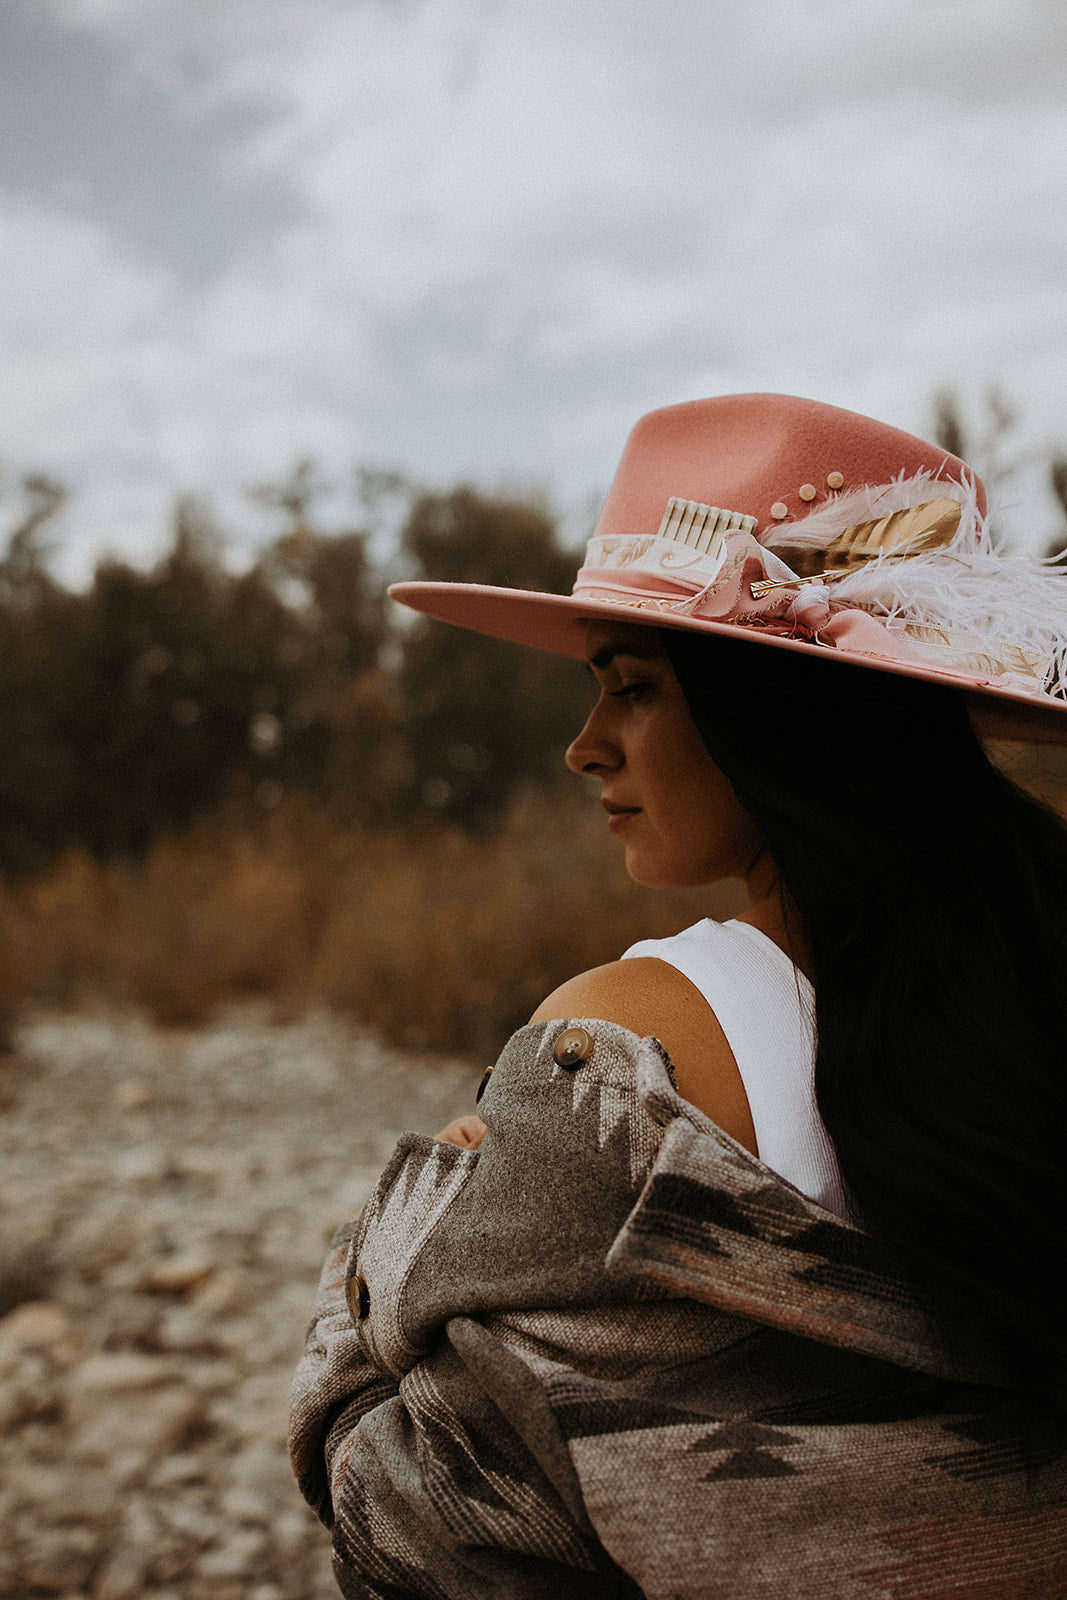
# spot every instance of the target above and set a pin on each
(573, 1046)
(358, 1297)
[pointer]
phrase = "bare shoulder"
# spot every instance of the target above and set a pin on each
(642, 994)
(649, 996)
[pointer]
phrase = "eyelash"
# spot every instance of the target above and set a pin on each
(630, 689)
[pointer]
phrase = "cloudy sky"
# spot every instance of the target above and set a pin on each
(477, 238)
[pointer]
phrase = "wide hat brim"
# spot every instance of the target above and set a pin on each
(557, 624)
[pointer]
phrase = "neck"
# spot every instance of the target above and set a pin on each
(773, 913)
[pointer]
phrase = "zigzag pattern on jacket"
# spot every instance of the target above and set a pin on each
(612, 1354)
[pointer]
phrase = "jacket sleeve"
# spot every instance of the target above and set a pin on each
(336, 1383)
(418, 1433)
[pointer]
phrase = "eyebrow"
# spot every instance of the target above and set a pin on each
(607, 653)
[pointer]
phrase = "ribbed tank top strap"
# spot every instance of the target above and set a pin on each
(766, 1008)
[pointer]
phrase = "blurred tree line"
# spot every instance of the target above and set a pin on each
(988, 444)
(153, 697)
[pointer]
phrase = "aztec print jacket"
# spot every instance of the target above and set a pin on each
(610, 1354)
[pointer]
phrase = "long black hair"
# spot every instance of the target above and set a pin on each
(932, 893)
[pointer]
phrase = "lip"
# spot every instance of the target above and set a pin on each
(619, 816)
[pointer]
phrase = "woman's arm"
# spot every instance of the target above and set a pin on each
(649, 996)
(420, 1431)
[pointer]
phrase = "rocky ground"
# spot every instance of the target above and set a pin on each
(165, 1201)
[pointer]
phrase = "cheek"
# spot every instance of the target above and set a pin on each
(712, 834)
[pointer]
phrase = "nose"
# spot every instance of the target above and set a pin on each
(592, 752)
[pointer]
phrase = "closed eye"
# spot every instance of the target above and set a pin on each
(628, 689)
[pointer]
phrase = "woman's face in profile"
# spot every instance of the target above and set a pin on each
(675, 812)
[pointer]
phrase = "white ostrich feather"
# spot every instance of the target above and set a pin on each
(1020, 600)
(873, 501)
(964, 585)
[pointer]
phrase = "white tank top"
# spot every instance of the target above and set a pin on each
(766, 1008)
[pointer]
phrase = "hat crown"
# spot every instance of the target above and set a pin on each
(773, 457)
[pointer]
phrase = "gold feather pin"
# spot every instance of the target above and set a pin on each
(905, 533)
(914, 532)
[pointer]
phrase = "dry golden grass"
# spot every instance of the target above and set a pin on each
(439, 940)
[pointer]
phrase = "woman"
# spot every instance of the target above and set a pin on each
(683, 1316)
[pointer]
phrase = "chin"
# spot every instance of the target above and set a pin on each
(668, 874)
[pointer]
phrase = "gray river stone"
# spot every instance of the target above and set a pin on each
(165, 1203)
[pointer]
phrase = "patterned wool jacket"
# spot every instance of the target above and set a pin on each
(611, 1354)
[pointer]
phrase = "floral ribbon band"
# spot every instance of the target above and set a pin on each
(707, 563)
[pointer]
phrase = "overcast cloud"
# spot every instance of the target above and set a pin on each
(479, 237)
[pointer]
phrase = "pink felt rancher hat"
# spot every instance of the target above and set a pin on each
(799, 526)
